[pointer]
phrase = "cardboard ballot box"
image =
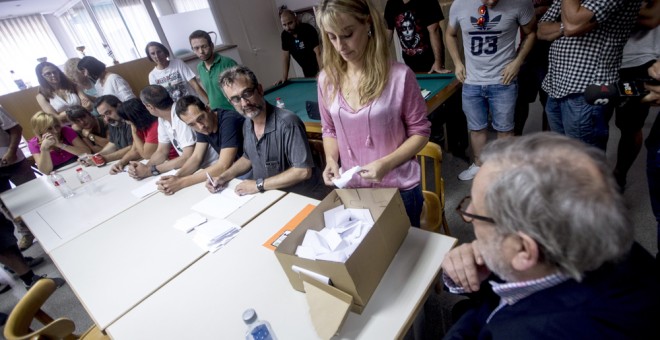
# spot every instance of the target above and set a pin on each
(360, 274)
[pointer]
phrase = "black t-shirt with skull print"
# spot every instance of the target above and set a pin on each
(410, 22)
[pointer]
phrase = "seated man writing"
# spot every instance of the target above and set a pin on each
(554, 255)
(173, 134)
(275, 143)
(144, 127)
(219, 134)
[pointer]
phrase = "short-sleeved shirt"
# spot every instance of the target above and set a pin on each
(410, 22)
(6, 123)
(593, 57)
(283, 145)
(177, 133)
(120, 135)
(150, 136)
(58, 156)
(209, 79)
(174, 78)
(490, 48)
(301, 47)
(115, 85)
(229, 133)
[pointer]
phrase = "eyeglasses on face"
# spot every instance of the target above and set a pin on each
(247, 94)
(483, 16)
(48, 74)
(461, 209)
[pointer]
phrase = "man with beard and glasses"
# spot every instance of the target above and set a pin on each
(210, 67)
(275, 143)
(120, 138)
(554, 255)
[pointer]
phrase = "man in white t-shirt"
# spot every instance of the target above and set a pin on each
(14, 166)
(489, 32)
(172, 132)
(173, 74)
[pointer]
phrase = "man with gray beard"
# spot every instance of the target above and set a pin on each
(554, 255)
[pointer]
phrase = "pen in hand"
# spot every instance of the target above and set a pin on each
(210, 179)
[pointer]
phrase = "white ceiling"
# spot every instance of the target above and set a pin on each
(16, 8)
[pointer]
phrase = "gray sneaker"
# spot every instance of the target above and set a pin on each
(469, 174)
(59, 282)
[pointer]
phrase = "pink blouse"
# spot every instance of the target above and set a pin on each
(58, 156)
(377, 129)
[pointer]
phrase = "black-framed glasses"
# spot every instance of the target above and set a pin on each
(483, 16)
(468, 217)
(247, 94)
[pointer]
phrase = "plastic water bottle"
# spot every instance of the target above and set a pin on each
(60, 183)
(86, 180)
(279, 103)
(18, 80)
(257, 329)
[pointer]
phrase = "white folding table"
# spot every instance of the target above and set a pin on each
(207, 299)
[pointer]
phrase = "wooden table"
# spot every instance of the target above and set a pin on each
(207, 299)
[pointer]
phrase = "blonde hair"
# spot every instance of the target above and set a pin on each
(376, 56)
(42, 121)
(71, 70)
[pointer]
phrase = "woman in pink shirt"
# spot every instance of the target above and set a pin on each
(54, 145)
(372, 111)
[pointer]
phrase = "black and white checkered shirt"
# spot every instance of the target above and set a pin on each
(594, 57)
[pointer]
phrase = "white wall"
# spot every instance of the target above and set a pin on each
(296, 4)
(253, 25)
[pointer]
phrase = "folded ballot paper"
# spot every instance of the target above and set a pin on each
(189, 222)
(343, 232)
(215, 234)
(345, 177)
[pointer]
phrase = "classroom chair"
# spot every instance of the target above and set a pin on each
(29, 308)
(433, 213)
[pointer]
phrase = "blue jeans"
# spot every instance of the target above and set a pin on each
(498, 99)
(413, 201)
(574, 117)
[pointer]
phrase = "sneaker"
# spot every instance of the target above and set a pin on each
(25, 242)
(469, 174)
(31, 262)
(59, 282)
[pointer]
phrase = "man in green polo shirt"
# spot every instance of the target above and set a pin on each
(210, 68)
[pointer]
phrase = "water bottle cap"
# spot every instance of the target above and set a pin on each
(278, 98)
(79, 169)
(249, 316)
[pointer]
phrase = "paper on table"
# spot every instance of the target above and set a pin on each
(215, 234)
(189, 222)
(345, 177)
(221, 204)
(150, 186)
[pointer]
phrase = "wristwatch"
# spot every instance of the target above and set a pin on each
(91, 138)
(260, 185)
(154, 171)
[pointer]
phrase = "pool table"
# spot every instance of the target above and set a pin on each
(296, 92)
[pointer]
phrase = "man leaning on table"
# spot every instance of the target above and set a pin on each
(275, 143)
(554, 255)
(172, 132)
(119, 132)
(218, 132)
